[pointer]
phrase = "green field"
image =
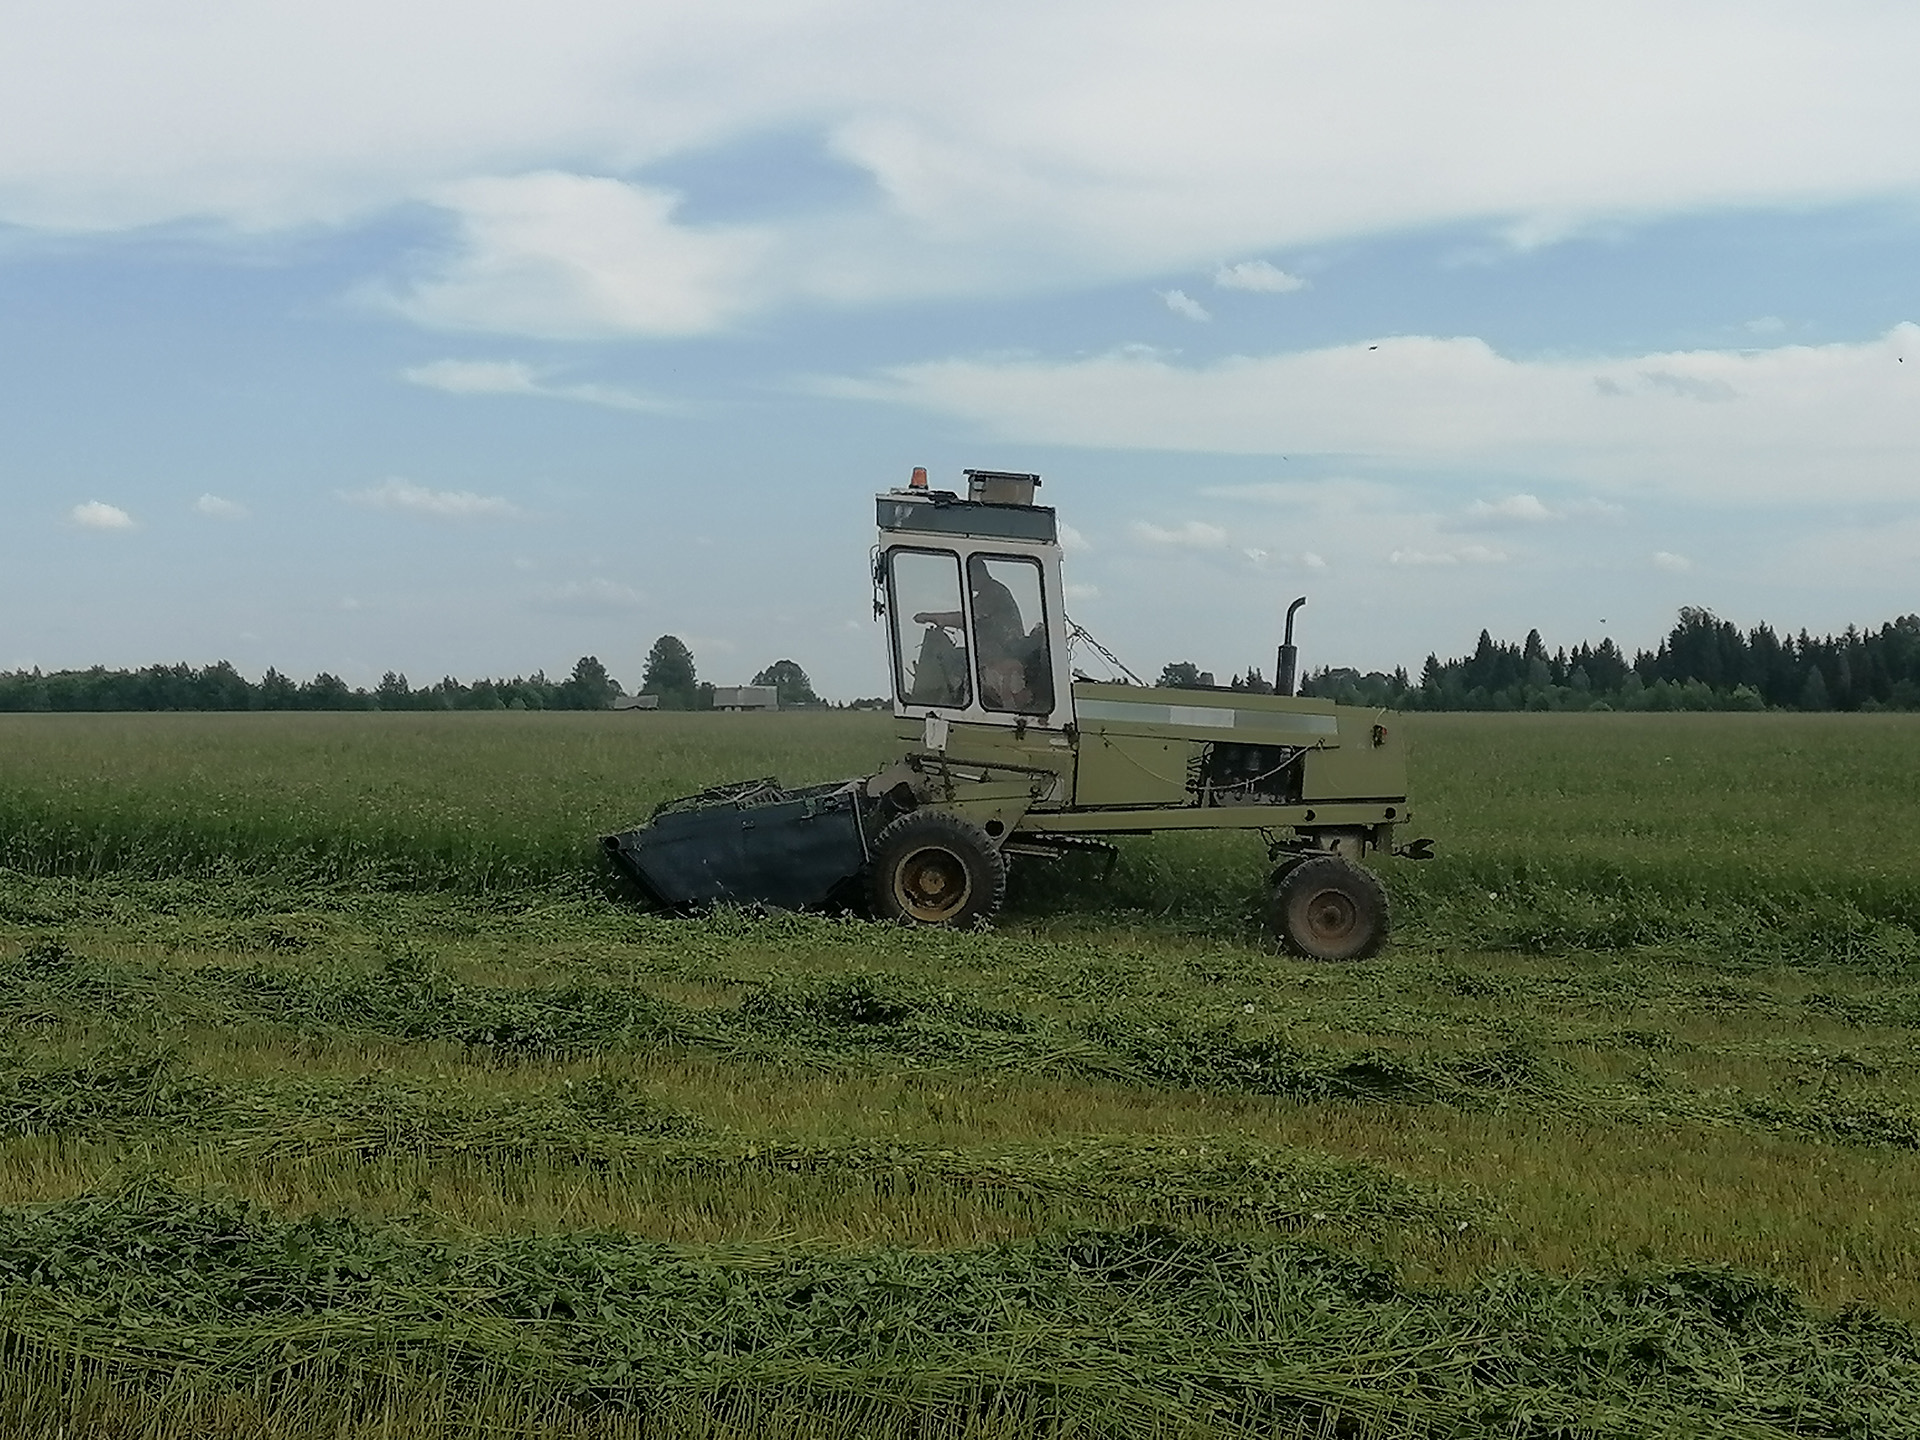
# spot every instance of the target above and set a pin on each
(342, 1093)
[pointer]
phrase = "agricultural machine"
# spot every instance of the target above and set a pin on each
(1008, 754)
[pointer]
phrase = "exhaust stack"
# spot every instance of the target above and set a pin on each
(1287, 667)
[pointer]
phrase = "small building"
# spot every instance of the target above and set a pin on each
(746, 697)
(636, 702)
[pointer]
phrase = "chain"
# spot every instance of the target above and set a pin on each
(1077, 631)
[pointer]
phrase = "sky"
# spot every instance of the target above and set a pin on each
(470, 339)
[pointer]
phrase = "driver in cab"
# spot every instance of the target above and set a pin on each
(1000, 635)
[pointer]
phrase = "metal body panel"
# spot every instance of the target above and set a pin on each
(1118, 769)
(1345, 774)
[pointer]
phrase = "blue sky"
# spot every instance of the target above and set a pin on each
(470, 339)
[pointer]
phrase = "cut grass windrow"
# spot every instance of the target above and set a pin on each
(1141, 1331)
(902, 1024)
(601, 1123)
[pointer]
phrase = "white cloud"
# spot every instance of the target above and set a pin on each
(595, 596)
(1514, 507)
(582, 257)
(1524, 509)
(341, 113)
(398, 494)
(1358, 525)
(1072, 541)
(1190, 535)
(1841, 420)
(1371, 117)
(1459, 555)
(1328, 495)
(475, 377)
(1083, 592)
(1673, 564)
(98, 515)
(1257, 275)
(1539, 229)
(1184, 305)
(1707, 388)
(512, 377)
(1765, 325)
(1591, 509)
(215, 508)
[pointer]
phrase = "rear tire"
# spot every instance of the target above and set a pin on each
(933, 868)
(1328, 908)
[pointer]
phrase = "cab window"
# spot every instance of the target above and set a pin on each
(929, 628)
(1010, 634)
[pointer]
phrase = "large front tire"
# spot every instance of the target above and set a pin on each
(1328, 908)
(933, 868)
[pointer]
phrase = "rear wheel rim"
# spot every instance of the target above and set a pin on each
(932, 884)
(1330, 918)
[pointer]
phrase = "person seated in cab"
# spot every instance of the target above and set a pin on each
(1001, 636)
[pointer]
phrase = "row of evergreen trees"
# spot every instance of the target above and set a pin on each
(1704, 663)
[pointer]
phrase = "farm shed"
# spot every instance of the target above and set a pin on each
(745, 697)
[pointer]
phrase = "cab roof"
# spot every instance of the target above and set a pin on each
(941, 512)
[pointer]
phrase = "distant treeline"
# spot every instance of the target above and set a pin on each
(669, 677)
(221, 687)
(1705, 663)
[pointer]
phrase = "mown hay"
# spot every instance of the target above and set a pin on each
(1131, 1331)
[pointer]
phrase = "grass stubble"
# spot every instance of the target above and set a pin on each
(338, 1097)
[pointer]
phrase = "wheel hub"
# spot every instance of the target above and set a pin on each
(932, 884)
(1331, 915)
